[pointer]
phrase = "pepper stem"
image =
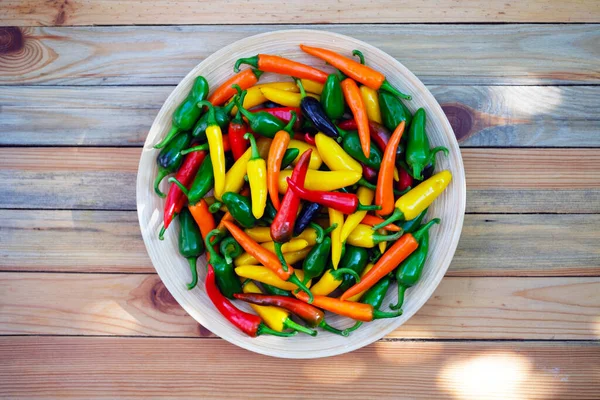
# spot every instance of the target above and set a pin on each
(364, 207)
(401, 291)
(326, 327)
(378, 238)
(301, 87)
(386, 86)
(397, 215)
(290, 125)
(340, 271)
(203, 147)
(211, 111)
(367, 184)
(161, 233)
(194, 271)
(180, 185)
(255, 153)
(378, 314)
(253, 61)
(230, 249)
(419, 233)
(436, 150)
(288, 323)
(214, 207)
(294, 279)
(162, 172)
(172, 133)
(279, 254)
(265, 330)
(330, 229)
(320, 231)
(239, 104)
(211, 250)
(238, 115)
(360, 55)
(357, 325)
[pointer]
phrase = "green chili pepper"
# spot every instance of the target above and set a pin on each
(413, 224)
(187, 113)
(332, 98)
(418, 153)
(316, 260)
(191, 245)
(393, 111)
(374, 297)
(409, 272)
(356, 259)
(222, 118)
(288, 157)
(202, 184)
(272, 290)
(230, 249)
(227, 280)
(169, 159)
(351, 145)
(240, 208)
(261, 122)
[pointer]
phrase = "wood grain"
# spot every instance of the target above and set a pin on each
(498, 180)
(129, 12)
(50, 367)
(481, 116)
(110, 241)
(437, 54)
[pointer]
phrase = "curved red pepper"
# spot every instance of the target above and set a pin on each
(238, 144)
(344, 202)
(310, 139)
(405, 181)
(284, 114)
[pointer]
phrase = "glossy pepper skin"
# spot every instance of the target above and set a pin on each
(221, 118)
(365, 236)
(283, 66)
(240, 208)
(393, 111)
(248, 323)
(169, 159)
(331, 280)
(336, 218)
(418, 153)
(265, 275)
(202, 184)
(217, 151)
(307, 214)
(228, 282)
(322, 180)
(245, 80)
(186, 114)
(373, 297)
(365, 196)
(191, 245)
(371, 102)
(409, 272)
(257, 177)
(350, 309)
(332, 98)
(316, 261)
(204, 219)
(334, 156)
(284, 114)
(351, 144)
(274, 291)
(413, 224)
(359, 111)
(384, 195)
(287, 99)
(261, 122)
(288, 157)
(277, 150)
(236, 131)
(356, 259)
(313, 110)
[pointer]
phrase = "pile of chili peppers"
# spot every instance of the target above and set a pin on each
(320, 185)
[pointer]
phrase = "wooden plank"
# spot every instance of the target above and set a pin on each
(461, 308)
(437, 54)
(109, 241)
(51, 367)
(482, 116)
(499, 180)
(105, 12)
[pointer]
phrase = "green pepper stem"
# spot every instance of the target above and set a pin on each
(211, 250)
(212, 120)
(288, 323)
(265, 330)
(367, 184)
(378, 238)
(194, 271)
(180, 185)
(251, 117)
(238, 115)
(337, 273)
(326, 327)
(342, 132)
(253, 61)
(397, 215)
(360, 55)
(386, 86)
(203, 147)
(401, 291)
(290, 125)
(215, 207)
(294, 279)
(418, 235)
(357, 325)
(257, 73)
(434, 151)
(172, 133)
(364, 207)
(230, 248)
(378, 314)
(301, 87)
(161, 233)
(319, 230)
(330, 229)
(162, 172)
(253, 146)
(289, 157)
(279, 254)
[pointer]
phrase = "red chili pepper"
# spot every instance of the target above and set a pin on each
(369, 173)
(175, 198)
(284, 114)
(405, 181)
(310, 139)
(344, 202)
(248, 323)
(237, 130)
(379, 133)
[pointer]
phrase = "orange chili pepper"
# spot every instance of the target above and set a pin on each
(283, 66)
(351, 309)
(244, 79)
(277, 150)
(357, 106)
(204, 219)
(384, 194)
(372, 220)
(386, 264)
(357, 71)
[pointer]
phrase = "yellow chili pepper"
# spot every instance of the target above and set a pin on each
(312, 86)
(365, 196)
(286, 99)
(234, 179)
(276, 318)
(315, 158)
(257, 177)
(371, 101)
(334, 156)
(331, 280)
(296, 253)
(322, 180)
(364, 236)
(418, 199)
(259, 234)
(382, 245)
(265, 275)
(216, 149)
(254, 96)
(336, 217)
(357, 297)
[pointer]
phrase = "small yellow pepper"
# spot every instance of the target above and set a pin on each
(297, 250)
(286, 99)
(315, 158)
(371, 101)
(364, 236)
(312, 86)
(331, 280)
(322, 180)
(265, 275)
(334, 156)
(254, 96)
(257, 177)
(336, 217)
(234, 179)
(365, 196)
(357, 297)
(382, 245)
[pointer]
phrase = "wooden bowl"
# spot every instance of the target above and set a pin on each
(173, 269)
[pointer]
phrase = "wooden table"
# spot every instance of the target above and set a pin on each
(82, 312)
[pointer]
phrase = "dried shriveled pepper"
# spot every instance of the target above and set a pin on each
(191, 245)
(228, 282)
(244, 80)
(274, 160)
(418, 153)
(283, 66)
(217, 152)
(257, 177)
